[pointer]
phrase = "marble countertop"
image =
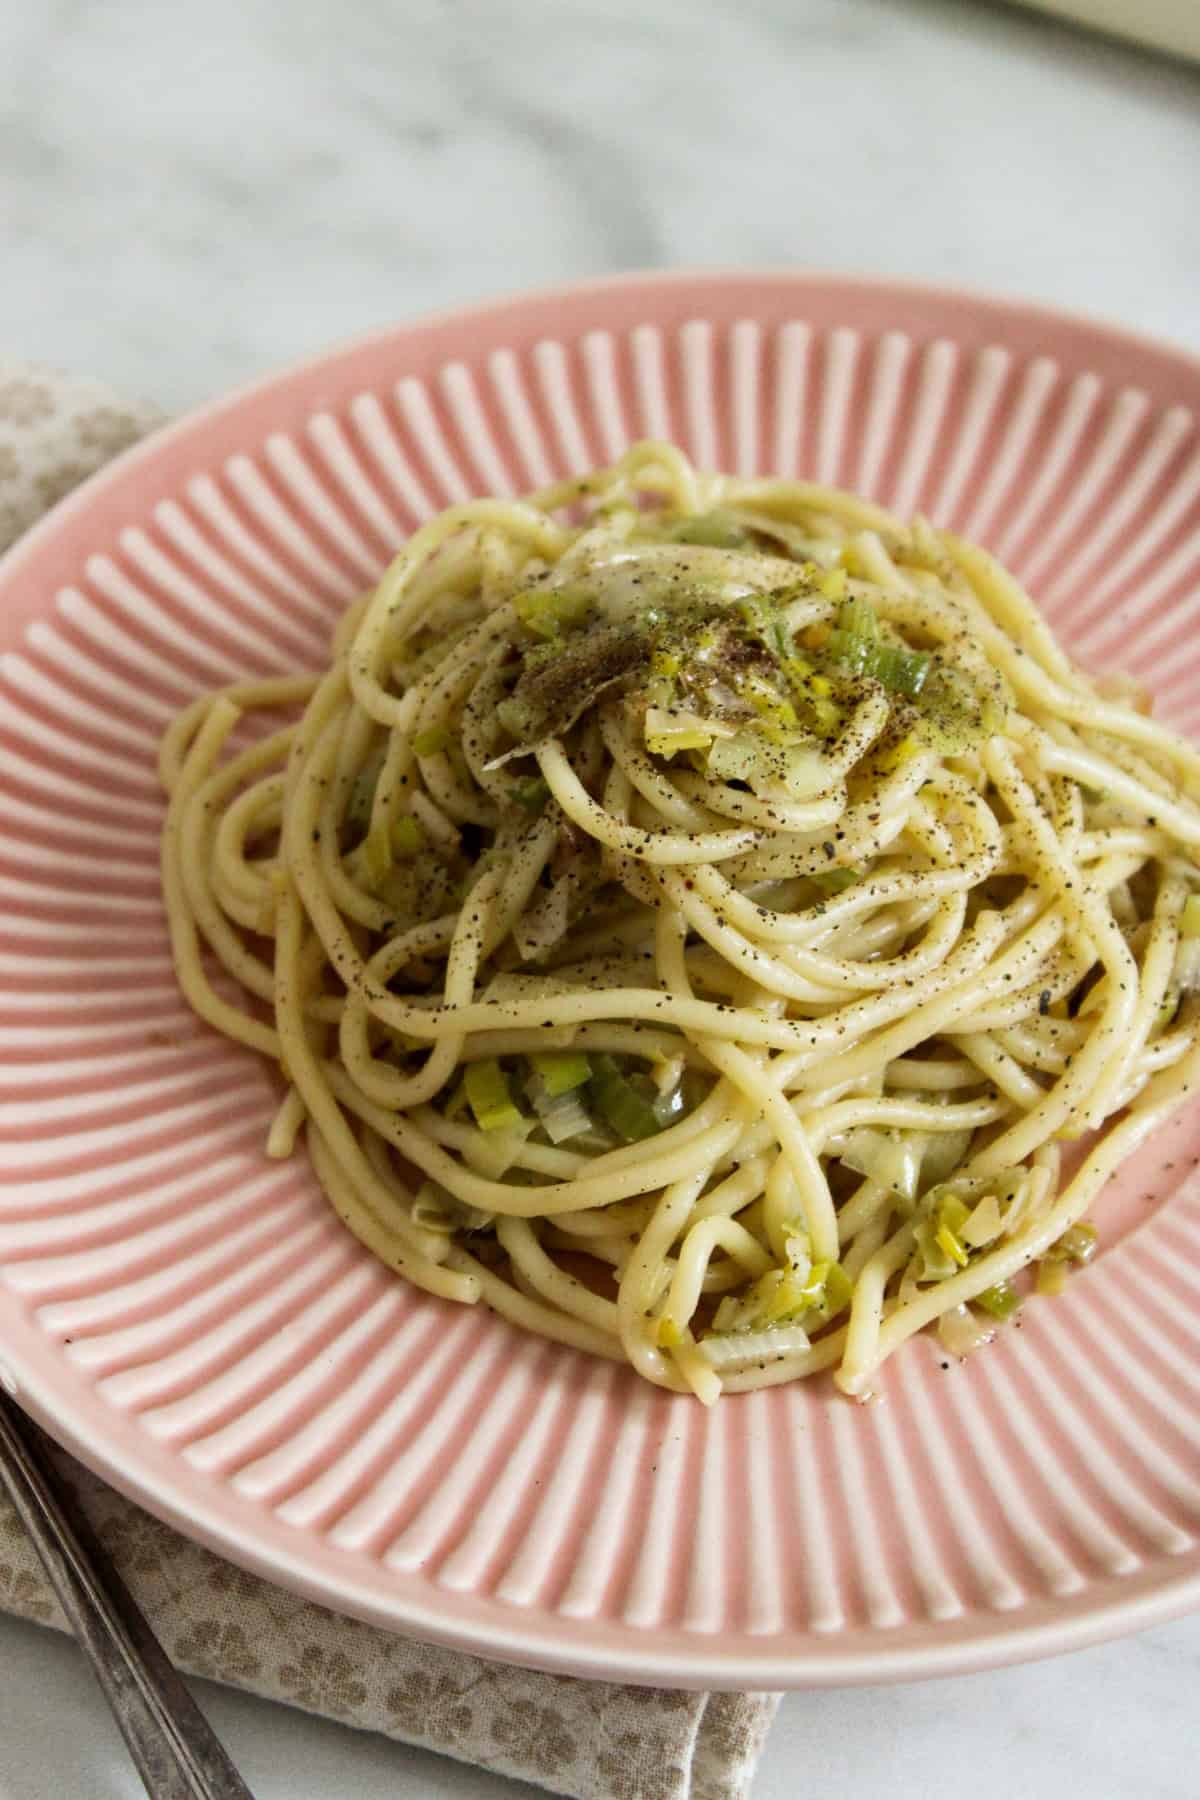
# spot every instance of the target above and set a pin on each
(188, 204)
(191, 196)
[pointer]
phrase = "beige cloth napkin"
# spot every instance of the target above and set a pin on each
(594, 1740)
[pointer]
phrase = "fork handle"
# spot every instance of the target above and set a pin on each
(177, 1754)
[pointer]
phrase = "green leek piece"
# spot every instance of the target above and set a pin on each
(729, 1351)
(859, 620)
(562, 1071)
(936, 1264)
(835, 881)
(838, 1290)
(428, 743)
(733, 759)
(787, 1296)
(937, 1234)
(514, 716)
(662, 686)
(1001, 1300)
(1077, 1244)
(562, 1117)
(718, 529)
(802, 769)
(531, 792)
(813, 1286)
(901, 671)
(493, 1153)
(1051, 1277)
(891, 1159)
(666, 732)
(783, 1294)
(629, 1113)
(953, 1246)
(861, 649)
(985, 1223)
(489, 1097)
(827, 1290)
(761, 612)
(776, 714)
(826, 715)
(1189, 924)
(853, 653)
(777, 1299)
(545, 610)
(408, 836)
(952, 1212)
(752, 757)
(429, 1209)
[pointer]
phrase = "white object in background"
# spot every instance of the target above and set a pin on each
(1170, 25)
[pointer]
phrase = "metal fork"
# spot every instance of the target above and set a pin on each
(177, 1753)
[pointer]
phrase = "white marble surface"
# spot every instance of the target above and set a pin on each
(191, 195)
(1115, 1723)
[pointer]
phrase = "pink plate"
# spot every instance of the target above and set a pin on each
(193, 1321)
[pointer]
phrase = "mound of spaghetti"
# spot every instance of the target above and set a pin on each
(692, 915)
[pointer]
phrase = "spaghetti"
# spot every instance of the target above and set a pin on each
(691, 915)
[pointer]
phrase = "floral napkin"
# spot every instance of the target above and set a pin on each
(595, 1740)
